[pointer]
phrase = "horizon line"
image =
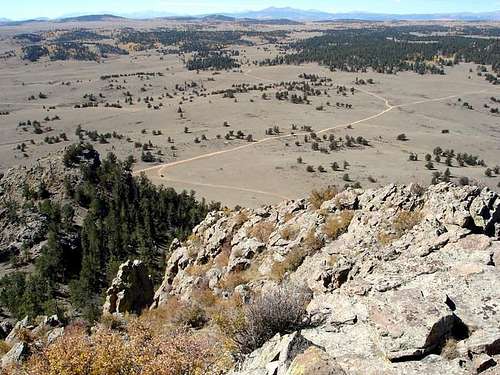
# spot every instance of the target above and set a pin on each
(130, 15)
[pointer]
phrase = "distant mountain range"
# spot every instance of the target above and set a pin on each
(315, 15)
(277, 15)
(92, 18)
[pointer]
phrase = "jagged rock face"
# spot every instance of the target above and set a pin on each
(25, 338)
(21, 226)
(18, 353)
(410, 288)
(131, 290)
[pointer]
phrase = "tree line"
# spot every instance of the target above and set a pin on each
(124, 217)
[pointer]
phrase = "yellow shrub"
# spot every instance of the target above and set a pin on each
(145, 350)
(337, 224)
(70, 355)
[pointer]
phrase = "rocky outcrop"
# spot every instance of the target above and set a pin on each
(30, 336)
(18, 353)
(315, 361)
(23, 229)
(407, 287)
(276, 356)
(131, 290)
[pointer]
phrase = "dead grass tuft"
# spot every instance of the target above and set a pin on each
(240, 218)
(403, 222)
(311, 242)
(197, 270)
(292, 261)
(318, 197)
(290, 232)
(233, 279)
(337, 224)
(261, 231)
(406, 220)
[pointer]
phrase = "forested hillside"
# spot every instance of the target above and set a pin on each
(103, 217)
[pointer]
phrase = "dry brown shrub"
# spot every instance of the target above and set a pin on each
(191, 315)
(222, 259)
(164, 315)
(70, 355)
(205, 297)
(288, 216)
(197, 270)
(332, 260)
(25, 335)
(112, 321)
(261, 231)
(384, 238)
(403, 221)
(311, 242)
(240, 218)
(337, 224)
(290, 232)
(406, 220)
(194, 242)
(318, 197)
(146, 349)
(232, 279)
(279, 310)
(176, 313)
(449, 349)
(4, 347)
(292, 261)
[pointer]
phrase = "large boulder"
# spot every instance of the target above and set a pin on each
(131, 290)
(275, 357)
(314, 361)
(18, 353)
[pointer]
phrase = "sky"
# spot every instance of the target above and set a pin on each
(25, 9)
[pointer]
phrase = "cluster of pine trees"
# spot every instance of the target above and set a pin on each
(124, 217)
(390, 49)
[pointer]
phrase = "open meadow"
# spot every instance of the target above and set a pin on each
(232, 135)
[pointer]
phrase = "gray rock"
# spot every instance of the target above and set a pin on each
(13, 336)
(483, 362)
(131, 290)
(5, 329)
(315, 361)
(15, 355)
(55, 334)
(276, 355)
(422, 302)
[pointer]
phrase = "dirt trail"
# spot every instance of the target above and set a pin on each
(228, 187)
(160, 169)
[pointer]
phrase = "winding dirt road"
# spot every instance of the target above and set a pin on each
(159, 171)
